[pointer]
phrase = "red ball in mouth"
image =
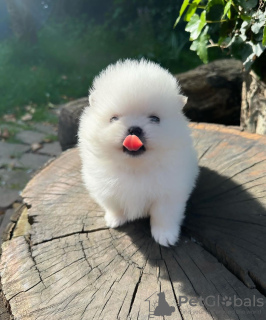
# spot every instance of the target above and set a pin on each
(132, 143)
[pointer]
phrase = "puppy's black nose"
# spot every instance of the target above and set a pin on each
(137, 131)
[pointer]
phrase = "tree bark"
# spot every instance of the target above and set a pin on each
(213, 91)
(253, 108)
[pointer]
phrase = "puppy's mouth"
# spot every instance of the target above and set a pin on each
(133, 146)
(139, 152)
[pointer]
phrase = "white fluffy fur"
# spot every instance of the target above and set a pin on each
(156, 183)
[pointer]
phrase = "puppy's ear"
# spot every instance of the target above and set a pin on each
(182, 100)
(91, 99)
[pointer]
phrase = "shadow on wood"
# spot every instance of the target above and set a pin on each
(71, 266)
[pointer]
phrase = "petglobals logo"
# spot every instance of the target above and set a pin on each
(214, 301)
(159, 307)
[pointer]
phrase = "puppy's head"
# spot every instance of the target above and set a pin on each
(135, 113)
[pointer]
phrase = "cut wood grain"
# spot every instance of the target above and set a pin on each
(69, 265)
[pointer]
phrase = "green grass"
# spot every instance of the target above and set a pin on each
(61, 66)
(43, 114)
(51, 137)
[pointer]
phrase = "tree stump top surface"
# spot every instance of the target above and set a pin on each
(60, 261)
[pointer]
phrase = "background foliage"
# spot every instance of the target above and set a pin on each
(51, 50)
(238, 27)
(55, 48)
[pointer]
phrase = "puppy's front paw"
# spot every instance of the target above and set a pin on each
(114, 221)
(165, 236)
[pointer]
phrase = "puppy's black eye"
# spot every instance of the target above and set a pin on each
(113, 119)
(154, 119)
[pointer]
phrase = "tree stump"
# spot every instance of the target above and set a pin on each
(60, 261)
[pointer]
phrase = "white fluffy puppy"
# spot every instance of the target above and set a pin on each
(137, 154)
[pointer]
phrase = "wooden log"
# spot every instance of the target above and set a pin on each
(64, 263)
(213, 91)
(69, 121)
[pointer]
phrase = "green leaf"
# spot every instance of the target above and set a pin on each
(257, 48)
(257, 37)
(196, 24)
(243, 29)
(256, 51)
(227, 9)
(229, 13)
(182, 9)
(264, 36)
(259, 15)
(246, 4)
(212, 3)
(259, 22)
(192, 9)
(245, 18)
(192, 26)
(202, 21)
(243, 50)
(256, 27)
(200, 45)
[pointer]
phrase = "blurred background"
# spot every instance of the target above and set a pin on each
(51, 50)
